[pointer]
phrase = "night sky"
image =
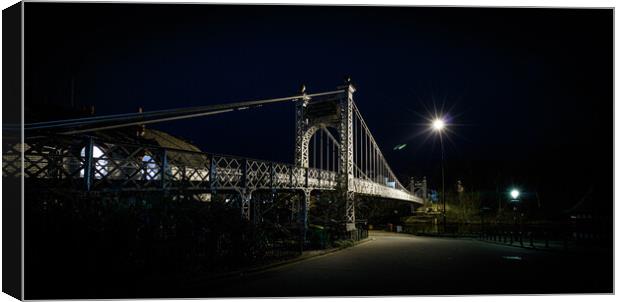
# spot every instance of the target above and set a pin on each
(528, 92)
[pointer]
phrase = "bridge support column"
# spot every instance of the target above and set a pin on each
(88, 164)
(350, 211)
(303, 216)
(255, 209)
(346, 177)
(246, 198)
(295, 211)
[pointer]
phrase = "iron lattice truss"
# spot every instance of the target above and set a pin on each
(84, 163)
(65, 162)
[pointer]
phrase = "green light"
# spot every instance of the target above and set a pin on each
(514, 193)
(399, 147)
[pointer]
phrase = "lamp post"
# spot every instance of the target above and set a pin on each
(438, 126)
(514, 193)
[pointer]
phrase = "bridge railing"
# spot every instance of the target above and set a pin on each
(368, 187)
(87, 163)
(96, 164)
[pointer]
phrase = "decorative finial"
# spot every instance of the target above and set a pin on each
(348, 84)
(304, 97)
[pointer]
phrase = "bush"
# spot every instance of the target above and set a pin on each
(344, 243)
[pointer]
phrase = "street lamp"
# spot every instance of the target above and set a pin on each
(438, 126)
(514, 193)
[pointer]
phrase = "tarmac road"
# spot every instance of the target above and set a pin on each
(399, 264)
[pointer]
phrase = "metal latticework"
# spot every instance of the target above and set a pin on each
(351, 152)
(346, 155)
(90, 164)
(334, 150)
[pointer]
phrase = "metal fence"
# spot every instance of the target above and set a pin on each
(87, 163)
(557, 235)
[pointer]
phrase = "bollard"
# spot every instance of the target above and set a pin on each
(532, 239)
(521, 239)
(510, 237)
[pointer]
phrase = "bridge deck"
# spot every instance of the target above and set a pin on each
(65, 162)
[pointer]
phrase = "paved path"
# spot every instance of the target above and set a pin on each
(395, 264)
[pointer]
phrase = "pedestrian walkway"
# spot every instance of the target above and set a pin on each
(402, 264)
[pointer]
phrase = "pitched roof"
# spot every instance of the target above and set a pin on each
(167, 140)
(151, 137)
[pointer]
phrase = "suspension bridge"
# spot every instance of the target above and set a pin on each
(334, 151)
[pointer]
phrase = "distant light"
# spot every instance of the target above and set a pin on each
(438, 124)
(399, 147)
(514, 193)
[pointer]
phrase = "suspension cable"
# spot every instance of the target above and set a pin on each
(370, 140)
(321, 148)
(314, 151)
(142, 118)
(327, 150)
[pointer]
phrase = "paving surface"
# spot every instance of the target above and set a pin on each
(398, 264)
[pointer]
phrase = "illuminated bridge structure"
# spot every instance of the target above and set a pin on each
(334, 150)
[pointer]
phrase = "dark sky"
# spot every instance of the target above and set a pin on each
(529, 91)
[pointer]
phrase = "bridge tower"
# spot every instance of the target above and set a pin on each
(334, 111)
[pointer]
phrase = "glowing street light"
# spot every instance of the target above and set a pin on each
(517, 216)
(438, 126)
(514, 193)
